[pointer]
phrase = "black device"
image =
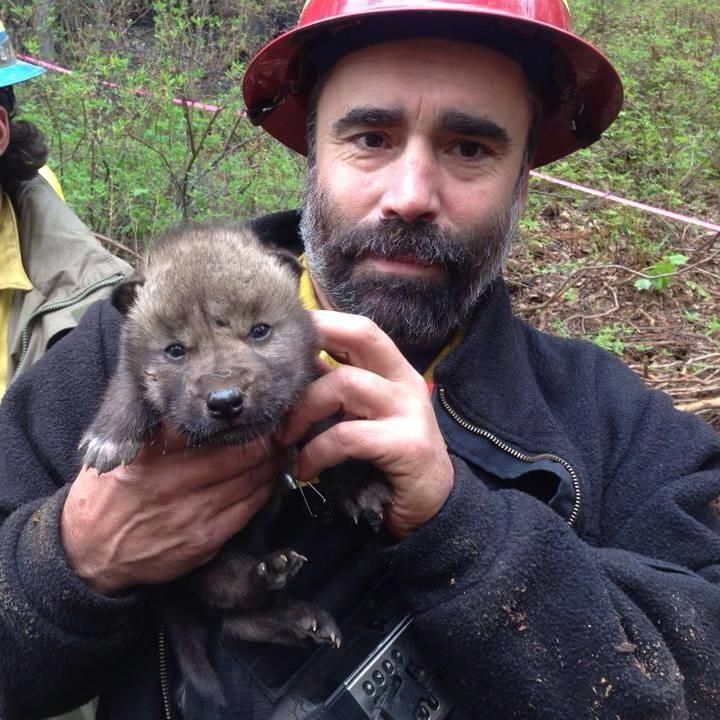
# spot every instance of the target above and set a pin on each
(391, 683)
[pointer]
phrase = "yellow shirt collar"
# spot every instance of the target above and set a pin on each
(12, 272)
(308, 298)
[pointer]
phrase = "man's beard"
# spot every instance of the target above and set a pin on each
(415, 311)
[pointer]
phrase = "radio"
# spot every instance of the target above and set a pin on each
(391, 683)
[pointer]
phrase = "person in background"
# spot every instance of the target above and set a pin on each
(51, 266)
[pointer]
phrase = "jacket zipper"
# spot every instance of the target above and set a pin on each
(502, 445)
(164, 676)
(60, 305)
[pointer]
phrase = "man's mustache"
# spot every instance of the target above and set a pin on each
(427, 243)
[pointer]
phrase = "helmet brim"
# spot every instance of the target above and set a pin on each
(587, 108)
(19, 72)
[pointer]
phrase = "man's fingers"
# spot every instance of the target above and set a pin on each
(356, 439)
(346, 391)
(204, 465)
(355, 340)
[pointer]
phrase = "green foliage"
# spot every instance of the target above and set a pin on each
(611, 338)
(664, 147)
(661, 273)
(131, 159)
(712, 326)
(698, 289)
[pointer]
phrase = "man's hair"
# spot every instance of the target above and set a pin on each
(26, 152)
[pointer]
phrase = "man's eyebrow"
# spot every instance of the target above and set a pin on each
(367, 116)
(462, 123)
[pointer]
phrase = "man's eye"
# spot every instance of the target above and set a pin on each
(469, 149)
(261, 331)
(176, 351)
(370, 140)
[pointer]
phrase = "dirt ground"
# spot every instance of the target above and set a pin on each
(671, 338)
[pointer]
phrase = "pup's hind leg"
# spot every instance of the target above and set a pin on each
(359, 490)
(188, 636)
(236, 581)
(122, 423)
(289, 624)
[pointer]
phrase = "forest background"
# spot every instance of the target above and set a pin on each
(644, 287)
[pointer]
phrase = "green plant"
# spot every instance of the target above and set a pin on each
(661, 272)
(698, 289)
(610, 337)
(712, 325)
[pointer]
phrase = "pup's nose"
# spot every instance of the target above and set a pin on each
(225, 404)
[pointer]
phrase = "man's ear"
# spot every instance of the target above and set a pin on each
(4, 130)
(125, 293)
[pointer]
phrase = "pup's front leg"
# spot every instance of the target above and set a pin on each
(122, 423)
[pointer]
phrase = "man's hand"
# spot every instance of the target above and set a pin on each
(166, 513)
(387, 420)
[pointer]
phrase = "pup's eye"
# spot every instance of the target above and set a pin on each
(261, 331)
(176, 351)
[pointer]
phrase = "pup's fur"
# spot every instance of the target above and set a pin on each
(217, 344)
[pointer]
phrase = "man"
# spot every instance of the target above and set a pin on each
(52, 267)
(552, 529)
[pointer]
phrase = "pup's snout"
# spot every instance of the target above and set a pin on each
(225, 404)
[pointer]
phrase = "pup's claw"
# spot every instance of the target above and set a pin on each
(105, 455)
(278, 568)
(367, 503)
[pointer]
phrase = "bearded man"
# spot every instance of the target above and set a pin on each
(551, 549)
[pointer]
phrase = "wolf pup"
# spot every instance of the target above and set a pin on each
(216, 343)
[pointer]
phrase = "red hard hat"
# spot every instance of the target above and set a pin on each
(581, 91)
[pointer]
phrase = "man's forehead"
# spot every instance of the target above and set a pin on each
(447, 73)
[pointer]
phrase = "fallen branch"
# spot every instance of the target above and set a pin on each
(114, 243)
(711, 403)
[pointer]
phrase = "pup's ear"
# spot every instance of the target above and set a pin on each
(124, 295)
(287, 259)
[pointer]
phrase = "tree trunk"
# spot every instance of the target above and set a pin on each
(44, 18)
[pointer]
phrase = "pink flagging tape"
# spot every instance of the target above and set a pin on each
(43, 64)
(106, 83)
(712, 227)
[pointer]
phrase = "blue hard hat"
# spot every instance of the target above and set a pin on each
(12, 70)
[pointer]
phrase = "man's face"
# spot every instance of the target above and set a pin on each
(418, 179)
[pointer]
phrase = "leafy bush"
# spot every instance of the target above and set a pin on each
(132, 160)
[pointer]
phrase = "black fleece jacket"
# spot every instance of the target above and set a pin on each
(572, 573)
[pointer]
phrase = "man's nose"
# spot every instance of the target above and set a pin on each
(413, 186)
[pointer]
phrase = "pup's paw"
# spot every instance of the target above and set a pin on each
(278, 568)
(104, 454)
(307, 622)
(366, 503)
